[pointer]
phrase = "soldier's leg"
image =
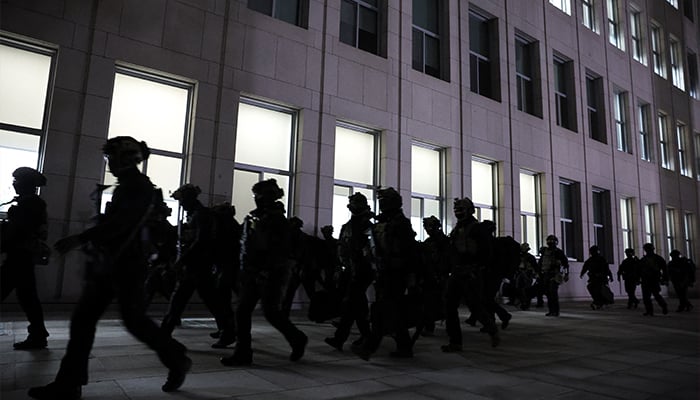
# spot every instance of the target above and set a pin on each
(660, 300)
(184, 288)
(220, 308)
(8, 278)
(29, 300)
(453, 297)
(271, 298)
(646, 298)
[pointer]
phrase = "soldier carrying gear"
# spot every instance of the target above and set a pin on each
(629, 271)
(435, 270)
(598, 276)
(652, 272)
(681, 272)
(197, 263)
(122, 277)
(265, 271)
(23, 238)
(555, 269)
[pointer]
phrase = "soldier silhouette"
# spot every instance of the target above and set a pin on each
(121, 274)
(629, 272)
(22, 237)
(652, 271)
(681, 272)
(555, 270)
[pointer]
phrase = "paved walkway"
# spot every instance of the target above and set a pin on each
(584, 354)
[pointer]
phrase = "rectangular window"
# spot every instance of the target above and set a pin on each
(674, 3)
(157, 110)
(650, 224)
(570, 219)
(530, 210)
(594, 103)
(426, 186)
(355, 168)
(664, 144)
(615, 32)
(677, 74)
(693, 76)
(485, 189)
(588, 15)
(657, 55)
(525, 67)
(483, 56)
(359, 24)
(689, 234)
(688, 9)
(564, 97)
(292, 11)
(683, 155)
(26, 82)
(626, 223)
(260, 122)
(697, 156)
(427, 37)
(643, 114)
(564, 5)
(601, 222)
(670, 229)
(638, 50)
(621, 125)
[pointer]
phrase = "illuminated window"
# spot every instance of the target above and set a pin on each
(688, 234)
(683, 154)
(588, 15)
(564, 5)
(355, 168)
(530, 210)
(615, 33)
(25, 83)
(638, 50)
(670, 229)
(263, 123)
(621, 125)
(626, 223)
(677, 76)
(664, 143)
(154, 109)
(426, 186)
(650, 224)
(485, 189)
(657, 55)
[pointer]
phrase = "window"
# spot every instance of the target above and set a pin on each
(260, 122)
(697, 156)
(650, 224)
(638, 51)
(688, 234)
(588, 15)
(26, 82)
(693, 76)
(525, 68)
(564, 5)
(530, 210)
(426, 186)
(484, 189)
(596, 116)
(564, 93)
(676, 64)
(292, 11)
(626, 223)
(355, 168)
(601, 222)
(674, 3)
(157, 110)
(670, 229)
(621, 126)
(657, 57)
(683, 155)
(615, 35)
(427, 37)
(570, 219)
(688, 9)
(483, 56)
(644, 132)
(359, 24)
(664, 144)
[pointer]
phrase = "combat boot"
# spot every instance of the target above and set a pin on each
(55, 391)
(176, 375)
(31, 343)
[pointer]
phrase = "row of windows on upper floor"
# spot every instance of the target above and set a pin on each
(362, 25)
(158, 110)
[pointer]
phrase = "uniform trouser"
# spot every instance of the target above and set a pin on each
(97, 294)
(389, 313)
(296, 279)
(649, 290)
(681, 289)
(354, 308)
(17, 273)
(552, 293)
(471, 286)
(270, 291)
(491, 289)
(159, 280)
(433, 300)
(630, 289)
(218, 303)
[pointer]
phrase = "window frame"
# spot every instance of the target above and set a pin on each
(422, 197)
(621, 121)
(627, 222)
(657, 54)
(664, 142)
(650, 224)
(637, 37)
(645, 140)
(536, 216)
(676, 61)
(670, 222)
(565, 101)
(562, 5)
(616, 35)
(689, 234)
(494, 207)
(571, 245)
(440, 36)
(302, 12)
(358, 4)
(595, 107)
(588, 16)
(684, 164)
(601, 227)
(526, 86)
(479, 63)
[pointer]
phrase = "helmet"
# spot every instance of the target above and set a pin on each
(594, 249)
(524, 247)
(187, 190)
(552, 238)
(296, 222)
(389, 199)
(675, 253)
(648, 247)
(268, 189)
(464, 205)
(327, 229)
(431, 222)
(29, 176)
(357, 203)
(127, 149)
(629, 251)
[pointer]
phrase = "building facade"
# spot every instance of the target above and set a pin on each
(577, 118)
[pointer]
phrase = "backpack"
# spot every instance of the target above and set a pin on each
(505, 256)
(226, 233)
